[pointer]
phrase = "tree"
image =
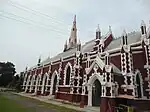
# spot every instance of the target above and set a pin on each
(20, 83)
(7, 71)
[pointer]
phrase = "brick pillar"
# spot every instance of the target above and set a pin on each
(82, 102)
(107, 105)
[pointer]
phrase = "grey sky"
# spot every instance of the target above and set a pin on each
(23, 43)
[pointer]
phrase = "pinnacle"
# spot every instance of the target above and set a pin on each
(142, 23)
(66, 42)
(98, 29)
(110, 29)
(79, 42)
(74, 19)
(124, 32)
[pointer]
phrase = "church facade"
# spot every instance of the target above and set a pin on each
(105, 71)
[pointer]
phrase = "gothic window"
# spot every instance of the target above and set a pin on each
(68, 75)
(138, 82)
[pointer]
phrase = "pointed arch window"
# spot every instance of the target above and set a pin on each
(68, 72)
(138, 82)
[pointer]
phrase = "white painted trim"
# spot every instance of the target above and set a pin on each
(90, 84)
(73, 54)
(73, 58)
(135, 48)
(136, 52)
(43, 82)
(52, 81)
(97, 61)
(64, 86)
(65, 72)
(55, 63)
(116, 54)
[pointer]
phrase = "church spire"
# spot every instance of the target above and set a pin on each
(73, 35)
(74, 19)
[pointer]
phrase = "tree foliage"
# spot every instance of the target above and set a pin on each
(7, 71)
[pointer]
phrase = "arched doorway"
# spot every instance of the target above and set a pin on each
(54, 85)
(138, 83)
(96, 93)
(94, 89)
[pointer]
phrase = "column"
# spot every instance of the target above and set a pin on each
(89, 95)
(36, 86)
(43, 85)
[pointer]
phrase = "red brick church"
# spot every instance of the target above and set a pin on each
(105, 71)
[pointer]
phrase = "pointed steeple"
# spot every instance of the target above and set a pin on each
(74, 19)
(73, 35)
(98, 32)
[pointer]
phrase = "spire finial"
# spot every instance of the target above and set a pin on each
(110, 29)
(66, 42)
(39, 60)
(74, 18)
(79, 42)
(26, 68)
(124, 32)
(143, 23)
(49, 55)
(98, 29)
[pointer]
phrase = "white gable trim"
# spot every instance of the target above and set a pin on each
(97, 61)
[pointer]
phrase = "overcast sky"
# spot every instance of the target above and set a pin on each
(30, 28)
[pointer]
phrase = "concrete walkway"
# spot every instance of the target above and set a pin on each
(46, 99)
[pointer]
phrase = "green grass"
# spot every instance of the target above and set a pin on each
(48, 105)
(7, 105)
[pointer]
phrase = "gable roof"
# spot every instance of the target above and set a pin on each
(132, 37)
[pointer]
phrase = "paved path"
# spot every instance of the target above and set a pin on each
(34, 106)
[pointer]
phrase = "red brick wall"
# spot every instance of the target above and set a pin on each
(45, 69)
(116, 60)
(64, 89)
(54, 67)
(63, 96)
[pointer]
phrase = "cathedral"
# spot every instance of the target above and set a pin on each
(104, 72)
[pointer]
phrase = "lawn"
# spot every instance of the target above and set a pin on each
(11, 105)
(7, 105)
